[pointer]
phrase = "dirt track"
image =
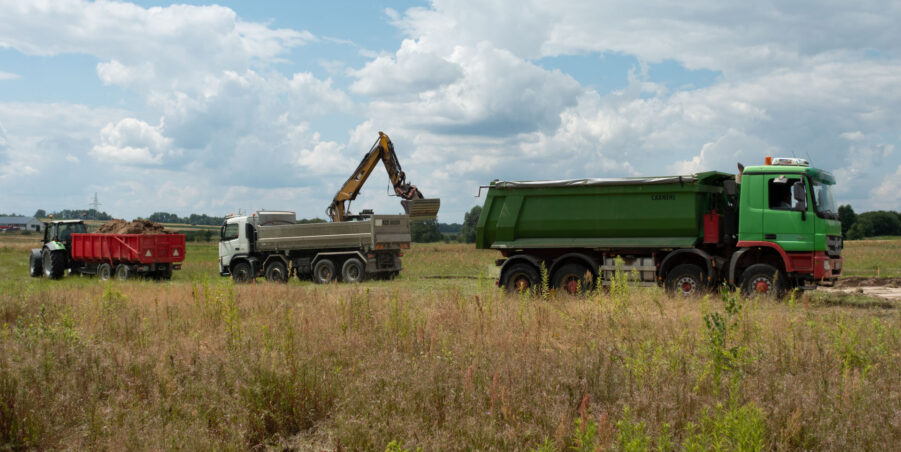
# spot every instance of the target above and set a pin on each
(888, 288)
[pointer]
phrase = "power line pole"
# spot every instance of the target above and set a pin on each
(96, 205)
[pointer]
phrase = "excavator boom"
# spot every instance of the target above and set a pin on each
(415, 205)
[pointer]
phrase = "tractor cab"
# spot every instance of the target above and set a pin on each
(62, 230)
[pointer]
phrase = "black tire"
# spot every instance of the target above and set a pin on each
(573, 279)
(521, 277)
(324, 271)
(35, 269)
(764, 280)
(165, 274)
(122, 272)
(276, 272)
(104, 272)
(242, 273)
(353, 271)
(54, 263)
(687, 280)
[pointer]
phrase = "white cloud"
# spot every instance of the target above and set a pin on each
(887, 195)
(8, 76)
(409, 72)
(134, 142)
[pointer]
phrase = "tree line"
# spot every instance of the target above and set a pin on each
(868, 224)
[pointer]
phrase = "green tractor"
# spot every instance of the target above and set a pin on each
(53, 258)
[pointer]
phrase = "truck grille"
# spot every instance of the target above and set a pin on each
(833, 245)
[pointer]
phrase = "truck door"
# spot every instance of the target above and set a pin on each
(229, 244)
(786, 220)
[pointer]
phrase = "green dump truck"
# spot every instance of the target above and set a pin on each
(769, 229)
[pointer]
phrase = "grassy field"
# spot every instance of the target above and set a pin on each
(438, 359)
(873, 258)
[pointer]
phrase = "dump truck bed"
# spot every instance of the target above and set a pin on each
(377, 232)
(129, 248)
(655, 212)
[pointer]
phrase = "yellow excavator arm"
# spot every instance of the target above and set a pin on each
(383, 150)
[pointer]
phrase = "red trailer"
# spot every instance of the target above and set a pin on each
(124, 255)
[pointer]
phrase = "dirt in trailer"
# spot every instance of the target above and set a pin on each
(135, 227)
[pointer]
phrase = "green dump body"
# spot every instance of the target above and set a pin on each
(649, 212)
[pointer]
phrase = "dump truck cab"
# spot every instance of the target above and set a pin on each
(788, 217)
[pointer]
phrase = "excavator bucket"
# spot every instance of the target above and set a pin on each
(422, 209)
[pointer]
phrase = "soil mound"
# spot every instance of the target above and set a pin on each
(135, 227)
(857, 281)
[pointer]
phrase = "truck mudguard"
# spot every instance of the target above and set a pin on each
(700, 253)
(337, 253)
(748, 246)
(588, 261)
(519, 258)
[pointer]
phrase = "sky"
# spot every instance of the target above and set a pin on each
(216, 108)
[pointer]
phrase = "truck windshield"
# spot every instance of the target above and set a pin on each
(230, 232)
(823, 200)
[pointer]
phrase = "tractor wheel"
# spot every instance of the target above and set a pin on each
(54, 263)
(324, 271)
(34, 266)
(241, 273)
(521, 277)
(573, 279)
(764, 280)
(123, 272)
(686, 280)
(277, 272)
(353, 271)
(104, 271)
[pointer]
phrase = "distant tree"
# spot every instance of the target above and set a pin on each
(857, 232)
(40, 213)
(877, 223)
(425, 231)
(450, 228)
(470, 222)
(847, 216)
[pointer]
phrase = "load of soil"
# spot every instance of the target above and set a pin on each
(135, 227)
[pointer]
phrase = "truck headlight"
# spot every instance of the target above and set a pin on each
(827, 265)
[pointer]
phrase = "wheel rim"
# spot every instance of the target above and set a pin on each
(571, 284)
(353, 272)
(325, 274)
(686, 285)
(521, 282)
(241, 274)
(276, 274)
(104, 272)
(122, 273)
(762, 285)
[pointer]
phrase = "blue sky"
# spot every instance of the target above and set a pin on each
(201, 107)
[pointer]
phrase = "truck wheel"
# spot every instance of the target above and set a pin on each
(353, 271)
(277, 272)
(324, 271)
(53, 263)
(122, 272)
(241, 273)
(164, 275)
(521, 277)
(764, 280)
(34, 266)
(686, 280)
(573, 278)
(104, 271)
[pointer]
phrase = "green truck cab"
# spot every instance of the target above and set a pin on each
(769, 229)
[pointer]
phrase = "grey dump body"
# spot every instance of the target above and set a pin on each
(271, 244)
(389, 231)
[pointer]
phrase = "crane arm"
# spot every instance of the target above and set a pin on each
(382, 150)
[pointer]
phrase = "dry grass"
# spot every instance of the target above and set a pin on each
(442, 364)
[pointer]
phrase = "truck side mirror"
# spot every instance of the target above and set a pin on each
(800, 195)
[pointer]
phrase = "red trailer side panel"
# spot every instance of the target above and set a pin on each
(129, 248)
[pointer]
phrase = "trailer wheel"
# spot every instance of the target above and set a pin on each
(573, 278)
(241, 273)
(34, 266)
(353, 271)
(53, 263)
(686, 280)
(277, 272)
(324, 271)
(764, 280)
(521, 277)
(164, 275)
(122, 272)
(104, 271)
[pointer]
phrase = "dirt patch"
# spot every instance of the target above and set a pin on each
(857, 281)
(135, 227)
